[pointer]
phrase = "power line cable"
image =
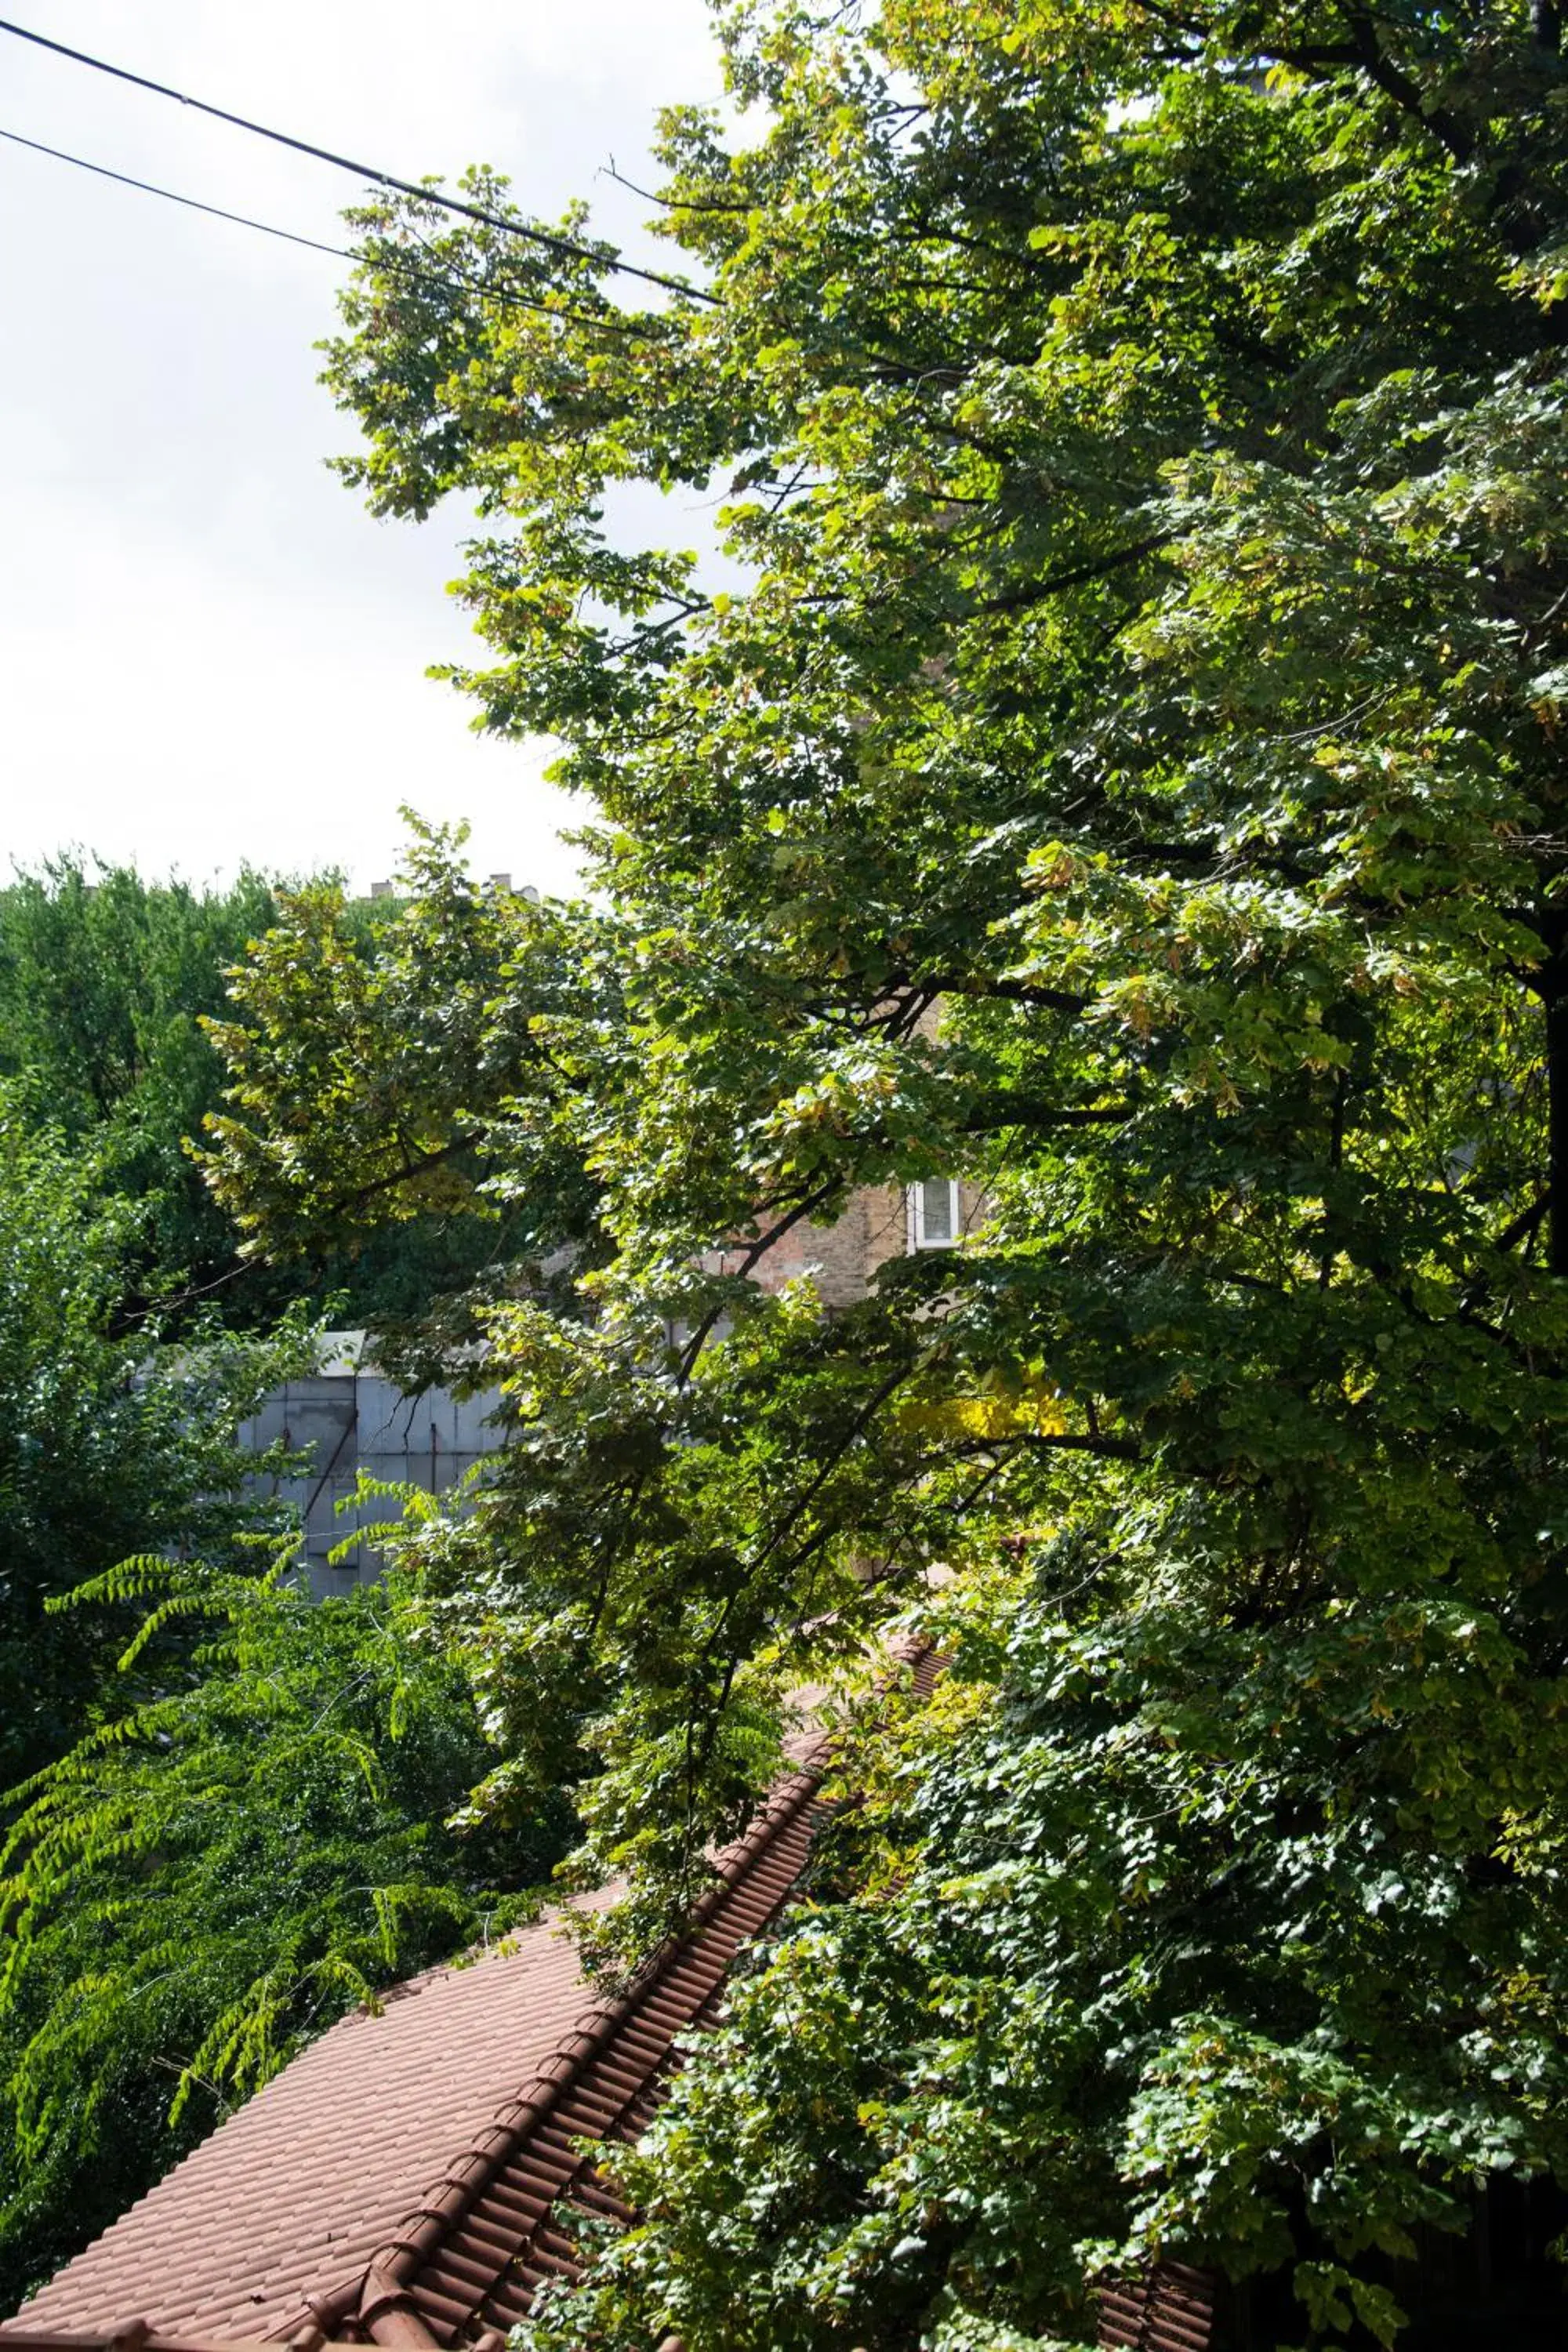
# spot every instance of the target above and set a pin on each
(193, 204)
(315, 245)
(567, 245)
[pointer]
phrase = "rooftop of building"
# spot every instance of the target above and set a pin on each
(412, 2176)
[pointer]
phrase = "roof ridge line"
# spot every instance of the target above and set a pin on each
(377, 2285)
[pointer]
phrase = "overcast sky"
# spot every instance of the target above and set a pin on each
(208, 653)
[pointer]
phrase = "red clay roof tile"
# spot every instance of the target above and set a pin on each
(411, 2177)
(430, 2142)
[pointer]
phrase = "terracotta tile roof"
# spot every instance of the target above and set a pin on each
(469, 2259)
(306, 2181)
(411, 2177)
(423, 2147)
(1169, 2309)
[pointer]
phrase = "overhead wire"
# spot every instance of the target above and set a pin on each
(171, 195)
(570, 248)
(440, 276)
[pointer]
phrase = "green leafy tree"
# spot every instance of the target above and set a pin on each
(111, 990)
(369, 1059)
(1142, 435)
(104, 979)
(210, 1878)
(112, 1440)
(221, 1806)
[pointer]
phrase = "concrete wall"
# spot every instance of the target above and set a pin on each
(347, 1418)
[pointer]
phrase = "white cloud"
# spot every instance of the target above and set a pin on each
(207, 652)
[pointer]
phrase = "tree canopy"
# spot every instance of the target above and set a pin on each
(224, 1809)
(112, 1440)
(223, 1812)
(104, 980)
(1139, 437)
(111, 987)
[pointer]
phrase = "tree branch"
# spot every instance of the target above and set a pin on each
(1115, 1449)
(755, 1252)
(403, 1175)
(1365, 51)
(1012, 991)
(1524, 1225)
(999, 1113)
(1077, 575)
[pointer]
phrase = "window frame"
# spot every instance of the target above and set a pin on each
(915, 1203)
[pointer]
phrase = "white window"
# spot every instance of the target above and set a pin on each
(934, 1214)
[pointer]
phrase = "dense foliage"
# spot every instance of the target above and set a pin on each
(367, 1057)
(218, 1871)
(110, 987)
(112, 1440)
(1140, 434)
(104, 980)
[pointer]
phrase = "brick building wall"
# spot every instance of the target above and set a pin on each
(878, 1223)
